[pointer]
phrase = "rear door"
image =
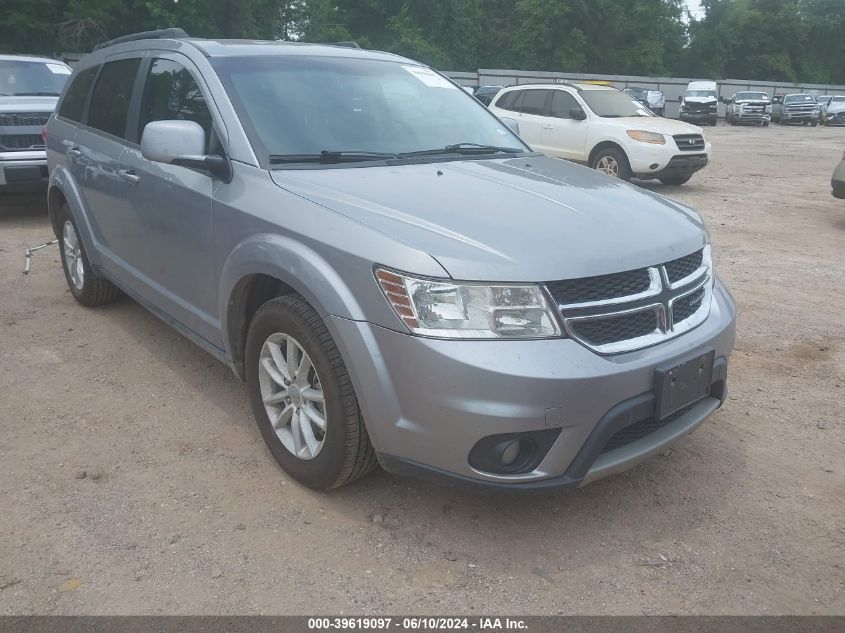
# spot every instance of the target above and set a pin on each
(565, 137)
(171, 205)
(532, 118)
(99, 143)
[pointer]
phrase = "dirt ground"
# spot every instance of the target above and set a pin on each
(182, 509)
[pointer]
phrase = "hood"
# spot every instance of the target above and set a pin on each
(670, 127)
(522, 219)
(835, 107)
(27, 104)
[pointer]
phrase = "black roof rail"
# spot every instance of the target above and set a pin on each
(161, 34)
(347, 44)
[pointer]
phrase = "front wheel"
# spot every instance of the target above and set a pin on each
(302, 397)
(680, 180)
(814, 123)
(613, 162)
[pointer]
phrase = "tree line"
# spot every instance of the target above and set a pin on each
(776, 40)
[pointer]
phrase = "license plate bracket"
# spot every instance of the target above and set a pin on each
(683, 384)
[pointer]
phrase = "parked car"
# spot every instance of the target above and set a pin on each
(823, 101)
(394, 273)
(795, 108)
(835, 112)
(654, 100)
(604, 128)
(837, 181)
(29, 90)
(485, 94)
(749, 107)
(700, 103)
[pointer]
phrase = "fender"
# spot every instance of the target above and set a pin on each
(61, 181)
(291, 262)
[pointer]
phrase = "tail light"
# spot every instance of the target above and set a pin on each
(44, 134)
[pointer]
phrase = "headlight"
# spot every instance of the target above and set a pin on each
(647, 137)
(768, 108)
(444, 309)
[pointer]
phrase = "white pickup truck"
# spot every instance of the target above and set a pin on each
(604, 128)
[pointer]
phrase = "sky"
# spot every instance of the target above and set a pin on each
(694, 7)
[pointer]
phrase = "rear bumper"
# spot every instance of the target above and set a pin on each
(23, 170)
(428, 403)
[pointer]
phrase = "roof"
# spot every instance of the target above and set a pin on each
(28, 58)
(564, 84)
(238, 48)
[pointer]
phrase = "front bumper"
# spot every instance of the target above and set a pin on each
(752, 117)
(835, 119)
(796, 117)
(696, 116)
(427, 402)
(23, 169)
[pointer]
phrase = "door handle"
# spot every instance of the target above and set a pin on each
(548, 127)
(74, 152)
(129, 176)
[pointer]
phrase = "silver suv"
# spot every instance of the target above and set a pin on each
(29, 90)
(397, 277)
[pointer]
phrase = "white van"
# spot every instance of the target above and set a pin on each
(700, 103)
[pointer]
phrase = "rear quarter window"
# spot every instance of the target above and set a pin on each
(76, 94)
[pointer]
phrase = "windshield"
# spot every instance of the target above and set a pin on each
(304, 106)
(613, 103)
(21, 78)
(800, 99)
(838, 100)
(701, 93)
(752, 96)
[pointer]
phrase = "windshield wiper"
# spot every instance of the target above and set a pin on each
(468, 149)
(329, 157)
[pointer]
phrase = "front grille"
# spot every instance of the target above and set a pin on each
(17, 119)
(685, 307)
(599, 288)
(639, 430)
(682, 267)
(21, 141)
(621, 312)
(603, 331)
(689, 142)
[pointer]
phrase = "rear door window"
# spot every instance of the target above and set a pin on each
(73, 105)
(534, 102)
(509, 100)
(172, 93)
(110, 101)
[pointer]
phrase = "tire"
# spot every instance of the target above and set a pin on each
(86, 286)
(676, 181)
(344, 453)
(613, 155)
(814, 123)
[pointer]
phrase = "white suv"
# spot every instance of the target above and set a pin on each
(604, 128)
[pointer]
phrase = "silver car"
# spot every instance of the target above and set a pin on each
(397, 277)
(29, 90)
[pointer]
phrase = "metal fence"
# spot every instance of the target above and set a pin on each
(672, 87)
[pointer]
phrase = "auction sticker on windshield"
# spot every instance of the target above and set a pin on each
(58, 69)
(429, 77)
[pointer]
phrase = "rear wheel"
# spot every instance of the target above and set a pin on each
(85, 285)
(814, 123)
(613, 162)
(302, 397)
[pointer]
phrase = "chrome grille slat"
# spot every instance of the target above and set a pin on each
(18, 119)
(676, 300)
(21, 141)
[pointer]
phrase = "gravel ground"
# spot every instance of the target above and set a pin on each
(133, 479)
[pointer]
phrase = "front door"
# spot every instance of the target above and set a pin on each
(564, 136)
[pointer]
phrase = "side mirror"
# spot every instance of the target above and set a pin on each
(182, 143)
(577, 113)
(511, 124)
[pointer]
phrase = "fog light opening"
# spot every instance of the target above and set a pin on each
(654, 166)
(510, 453)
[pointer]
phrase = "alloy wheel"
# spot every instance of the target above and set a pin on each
(292, 395)
(608, 165)
(73, 255)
